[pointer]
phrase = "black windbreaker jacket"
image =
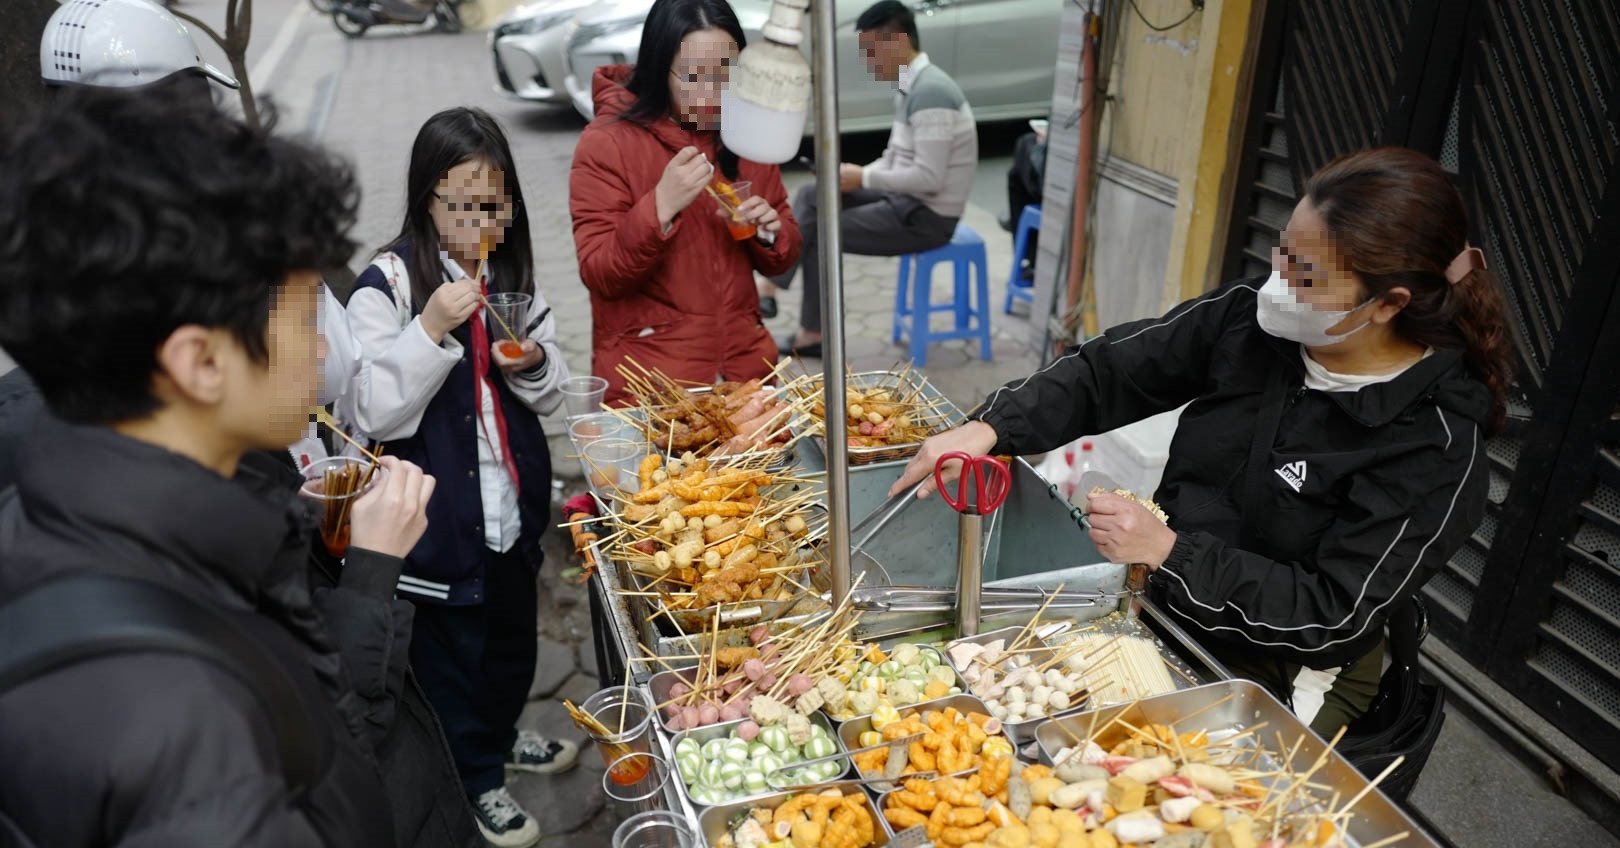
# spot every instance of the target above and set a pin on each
(1301, 516)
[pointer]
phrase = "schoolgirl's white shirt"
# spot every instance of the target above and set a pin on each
(402, 369)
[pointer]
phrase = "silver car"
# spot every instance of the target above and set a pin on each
(529, 47)
(1001, 52)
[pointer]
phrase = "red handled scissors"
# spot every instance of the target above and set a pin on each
(984, 478)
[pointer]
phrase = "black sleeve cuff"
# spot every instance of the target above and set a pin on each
(371, 574)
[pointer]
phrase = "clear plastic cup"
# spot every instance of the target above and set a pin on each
(507, 311)
(655, 829)
(636, 783)
(589, 429)
(334, 484)
(613, 464)
(583, 395)
(627, 715)
(728, 204)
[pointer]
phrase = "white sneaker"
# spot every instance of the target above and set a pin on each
(503, 822)
(535, 753)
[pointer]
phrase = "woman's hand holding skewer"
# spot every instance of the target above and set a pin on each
(391, 518)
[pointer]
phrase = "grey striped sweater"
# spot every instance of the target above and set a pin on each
(934, 144)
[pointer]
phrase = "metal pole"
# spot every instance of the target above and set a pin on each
(829, 200)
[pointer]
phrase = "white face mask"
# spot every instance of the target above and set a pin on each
(1282, 314)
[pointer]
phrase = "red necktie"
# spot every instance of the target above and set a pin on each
(481, 361)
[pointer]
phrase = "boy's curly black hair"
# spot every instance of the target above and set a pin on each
(128, 213)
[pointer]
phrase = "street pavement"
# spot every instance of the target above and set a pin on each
(366, 98)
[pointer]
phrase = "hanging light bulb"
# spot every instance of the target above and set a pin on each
(763, 110)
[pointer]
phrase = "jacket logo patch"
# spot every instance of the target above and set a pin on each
(1293, 473)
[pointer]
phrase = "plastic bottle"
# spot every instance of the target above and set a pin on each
(1078, 466)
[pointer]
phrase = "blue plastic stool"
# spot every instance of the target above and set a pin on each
(1017, 287)
(969, 301)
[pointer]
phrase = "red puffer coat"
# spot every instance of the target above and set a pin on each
(683, 301)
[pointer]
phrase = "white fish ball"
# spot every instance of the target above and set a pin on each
(1058, 700)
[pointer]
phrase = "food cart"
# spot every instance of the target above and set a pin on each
(708, 771)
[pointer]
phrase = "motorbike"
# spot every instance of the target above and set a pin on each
(354, 17)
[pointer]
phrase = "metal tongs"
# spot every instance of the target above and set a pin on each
(995, 599)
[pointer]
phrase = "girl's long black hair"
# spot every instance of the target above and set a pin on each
(668, 22)
(445, 141)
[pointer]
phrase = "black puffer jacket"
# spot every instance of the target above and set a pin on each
(1301, 516)
(372, 630)
(150, 749)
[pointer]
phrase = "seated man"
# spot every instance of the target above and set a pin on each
(159, 285)
(909, 200)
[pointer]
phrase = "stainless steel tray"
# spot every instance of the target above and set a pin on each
(943, 418)
(722, 731)
(1376, 817)
(1021, 732)
(714, 820)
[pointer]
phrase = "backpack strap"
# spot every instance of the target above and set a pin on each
(85, 616)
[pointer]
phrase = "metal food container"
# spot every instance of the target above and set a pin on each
(849, 733)
(722, 731)
(945, 416)
(1021, 732)
(888, 648)
(713, 821)
(1234, 706)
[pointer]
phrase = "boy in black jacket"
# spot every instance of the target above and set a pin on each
(156, 280)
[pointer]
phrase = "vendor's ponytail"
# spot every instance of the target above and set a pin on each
(1480, 312)
(1400, 222)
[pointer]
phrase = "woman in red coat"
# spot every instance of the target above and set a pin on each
(669, 284)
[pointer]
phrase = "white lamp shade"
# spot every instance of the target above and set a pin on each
(760, 134)
(763, 110)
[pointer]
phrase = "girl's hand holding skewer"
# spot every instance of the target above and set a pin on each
(391, 518)
(533, 355)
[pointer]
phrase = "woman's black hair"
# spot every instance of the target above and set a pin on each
(448, 139)
(667, 24)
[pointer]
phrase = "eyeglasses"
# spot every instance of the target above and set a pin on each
(706, 80)
(487, 207)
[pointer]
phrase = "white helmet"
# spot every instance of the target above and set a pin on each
(119, 43)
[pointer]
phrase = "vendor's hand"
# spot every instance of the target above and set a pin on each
(1125, 532)
(975, 438)
(533, 355)
(449, 307)
(683, 180)
(759, 212)
(391, 518)
(849, 177)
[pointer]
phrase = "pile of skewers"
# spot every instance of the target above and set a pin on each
(773, 676)
(883, 409)
(705, 534)
(1131, 782)
(729, 419)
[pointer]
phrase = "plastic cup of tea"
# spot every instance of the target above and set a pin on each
(507, 311)
(741, 230)
(636, 782)
(655, 829)
(589, 429)
(334, 484)
(627, 715)
(614, 463)
(583, 395)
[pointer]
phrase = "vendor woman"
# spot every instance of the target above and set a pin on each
(1332, 454)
